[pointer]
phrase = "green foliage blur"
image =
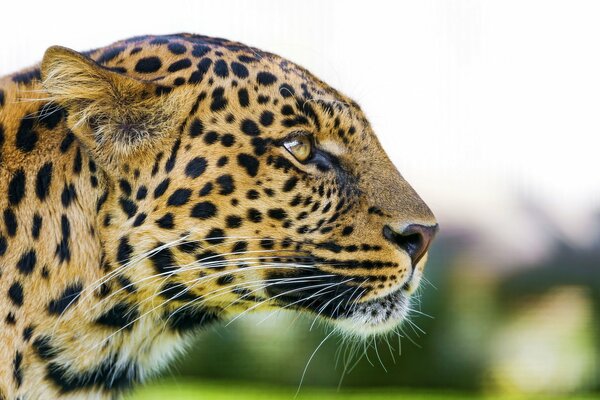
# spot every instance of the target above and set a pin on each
(479, 327)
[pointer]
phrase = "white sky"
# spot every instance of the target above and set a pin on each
(476, 102)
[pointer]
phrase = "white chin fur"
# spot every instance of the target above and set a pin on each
(376, 316)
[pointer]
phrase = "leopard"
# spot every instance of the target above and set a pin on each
(166, 183)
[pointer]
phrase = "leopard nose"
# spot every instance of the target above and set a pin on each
(414, 239)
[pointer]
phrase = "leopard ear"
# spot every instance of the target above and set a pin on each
(112, 114)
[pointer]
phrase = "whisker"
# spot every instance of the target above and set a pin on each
(310, 359)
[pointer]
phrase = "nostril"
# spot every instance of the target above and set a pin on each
(413, 239)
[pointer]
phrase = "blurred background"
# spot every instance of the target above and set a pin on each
(491, 110)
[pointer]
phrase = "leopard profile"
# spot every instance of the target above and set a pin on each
(164, 183)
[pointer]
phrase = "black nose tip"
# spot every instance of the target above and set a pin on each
(414, 239)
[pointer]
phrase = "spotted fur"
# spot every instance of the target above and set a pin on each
(146, 192)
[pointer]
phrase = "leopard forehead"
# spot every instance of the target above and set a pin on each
(232, 77)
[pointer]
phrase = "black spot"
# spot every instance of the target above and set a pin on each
(179, 197)
(347, 230)
(166, 221)
(159, 40)
(27, 333)
(226, 184)
(77, 162)
(26, 263)
(67, 141)
(26, 137)
(252, 194)
(28, 76)
(239, 70)
(286, 90)
(111, 374)
(148, 65)
(176, 292)
(36, 226)
(266, 118)
(179, 65)
(265, 78)
(66, 299)
(267, 243)
(254, 215)
(171, 160)
(10, 220)
(51, 115)
(277, 213)
(259, 145)
(163, 260)
(161, 188)
(196, 128)
(227, 140)
(221, 69)
(215, 236)
(218, 101)
(247, 59)
(121, 316)
(204, 65)
(43, 181)
(233, 221)
(10, 319)
(160, 90)
(17, 372)
(222, 161)
(125, 187)
(15, 293)
(204, 210)
(290, 184)
(211, 137)
(43, 348)
(1, 98)
(101, 201)
(206, 189)
(249, 127)
(249, 163)
(243, 97)
(139, 220)
(128, 207)
(124, 251)
(186, 319)
(239, 247)
(68, 195)
(287, 110)
(16, 188)
(62, 249)
(200, 50)
(189, 246)
(3, 245)
(126, 283)
(141, 193)
(176, 48)
(110, 54)
(225, 280)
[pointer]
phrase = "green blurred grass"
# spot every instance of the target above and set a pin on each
(186, 390)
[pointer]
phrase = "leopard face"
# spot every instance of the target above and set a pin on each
(236, 181)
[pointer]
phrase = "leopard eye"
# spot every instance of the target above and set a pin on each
(299, 146)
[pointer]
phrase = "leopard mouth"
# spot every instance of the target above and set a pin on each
(338, 302)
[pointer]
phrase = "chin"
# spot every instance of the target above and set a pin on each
(377, 316)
